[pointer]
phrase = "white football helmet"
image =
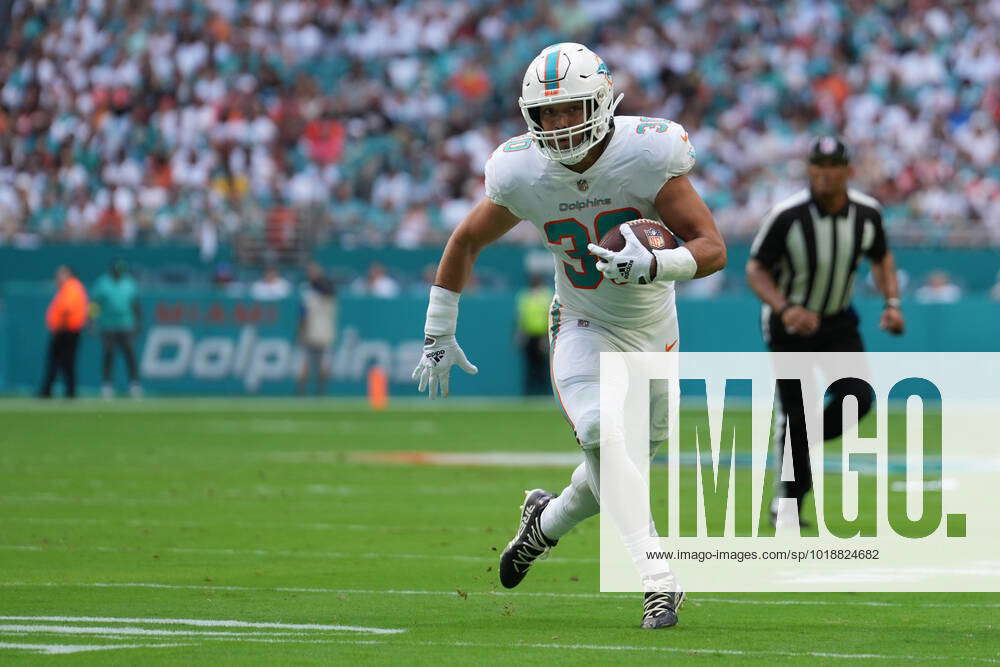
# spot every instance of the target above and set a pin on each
(563, 73)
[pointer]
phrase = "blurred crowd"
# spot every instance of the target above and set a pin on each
(368, 123)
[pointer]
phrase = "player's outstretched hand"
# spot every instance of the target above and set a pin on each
(439, 355)
(632, 264)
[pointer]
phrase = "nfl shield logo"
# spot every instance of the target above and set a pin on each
(582, 185)
(655, 238)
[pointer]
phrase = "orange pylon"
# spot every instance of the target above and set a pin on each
(378, 388)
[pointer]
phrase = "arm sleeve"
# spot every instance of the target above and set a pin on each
(879, 246)
(769, 244)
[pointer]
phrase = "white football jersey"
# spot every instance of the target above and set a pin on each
(573, 209)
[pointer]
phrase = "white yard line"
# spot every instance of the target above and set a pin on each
(284, 553)
(300, 637)
(116, 631)
(53, 649)
(63, 649)
(123, 631)
(695, 599)
(89, 500)
(205, 622)
(677, 649)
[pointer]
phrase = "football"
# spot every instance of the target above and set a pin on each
(653, 234)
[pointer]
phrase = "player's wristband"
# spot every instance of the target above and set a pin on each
(893, 302)
(675, 264)
(442, 312)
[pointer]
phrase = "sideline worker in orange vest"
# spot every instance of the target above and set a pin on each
(65, 317)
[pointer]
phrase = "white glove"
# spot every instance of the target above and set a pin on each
(439, 355)
(631, 264)
(441, 350)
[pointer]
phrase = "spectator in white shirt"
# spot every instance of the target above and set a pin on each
(271, 286)
(939, 289)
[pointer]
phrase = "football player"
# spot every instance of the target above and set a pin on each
(578, 172)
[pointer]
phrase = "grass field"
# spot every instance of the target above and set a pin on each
(246, 531)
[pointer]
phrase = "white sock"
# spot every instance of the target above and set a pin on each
(638, 533)
(639, 544)
(581, 499)
(573, 505)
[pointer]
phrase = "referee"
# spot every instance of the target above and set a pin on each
(802, 266)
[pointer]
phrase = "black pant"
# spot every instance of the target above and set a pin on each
(836, 333)
(536, 366)
(61, 359)
(118, 339)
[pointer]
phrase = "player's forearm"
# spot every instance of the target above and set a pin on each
(456, 263)
(763, 285)
(690, 219)
(884, 273)
(486, 223)
(709, 254)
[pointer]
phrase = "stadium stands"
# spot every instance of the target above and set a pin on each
(367, 124)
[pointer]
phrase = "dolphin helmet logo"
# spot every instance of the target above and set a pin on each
(603, 69)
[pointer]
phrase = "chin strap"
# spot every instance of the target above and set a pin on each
(615, 104)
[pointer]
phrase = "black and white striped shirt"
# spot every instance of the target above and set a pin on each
(814, 256)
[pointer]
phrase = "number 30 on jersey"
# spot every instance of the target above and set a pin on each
(573, 236)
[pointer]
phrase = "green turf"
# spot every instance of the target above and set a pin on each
(252, 511)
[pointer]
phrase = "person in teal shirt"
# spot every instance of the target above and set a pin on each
(115, 309)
